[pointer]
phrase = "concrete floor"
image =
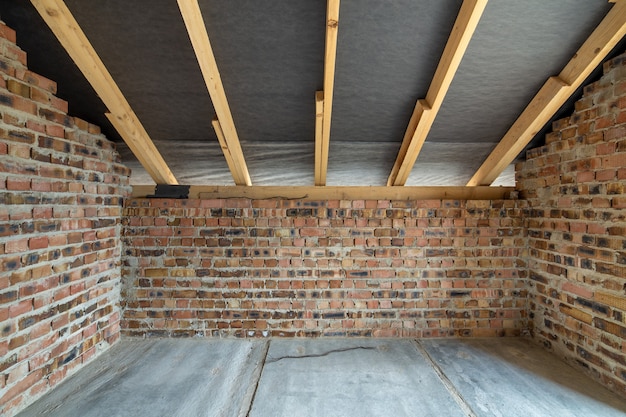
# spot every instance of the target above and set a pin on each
(328, 377)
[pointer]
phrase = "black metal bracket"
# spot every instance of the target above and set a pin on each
(171, 191)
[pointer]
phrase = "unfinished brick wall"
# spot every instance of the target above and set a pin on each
(577, 231)
(254, 268)
(60, 206)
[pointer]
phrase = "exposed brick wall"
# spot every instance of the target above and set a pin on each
(342, 268)
(577, 231)
(61, 188)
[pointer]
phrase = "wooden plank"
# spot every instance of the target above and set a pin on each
(192, 16)
(341, 193)
(457, 44)
(547, 102)
(330, 55)
(60, 20)
(420, 106)
(319, 123)
(554, 93)
(146, 152)
(230, 160)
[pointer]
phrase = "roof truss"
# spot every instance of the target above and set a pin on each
(426, 109)
(224, 126)
(322, 139)
(554, 93)
(62, 23)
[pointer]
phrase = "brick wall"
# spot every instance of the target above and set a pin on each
(577, 231)
(60, 206)
(336, 268)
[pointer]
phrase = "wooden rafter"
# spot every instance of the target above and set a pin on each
(330, 55)
(60, 20)
(192, 16)
(341, 193)
(554, 93)
(319, 125)
(426, 109)
(228, 155)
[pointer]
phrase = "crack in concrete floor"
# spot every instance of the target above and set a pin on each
(319, 355)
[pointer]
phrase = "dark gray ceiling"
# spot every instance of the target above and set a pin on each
(271, 58)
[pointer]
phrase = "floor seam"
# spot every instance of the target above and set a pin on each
(456, 395)
(258, 380)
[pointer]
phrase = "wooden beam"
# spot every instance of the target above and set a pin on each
(426, 110)
(547, 101)
(192, 16)
(341, 193)
(330, 55)
(145, 152)
(60, 20)
(230, 158)
(554, 93)
(421, 106)
(319, 125)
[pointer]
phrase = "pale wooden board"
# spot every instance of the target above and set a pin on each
(60, 20)
(226, 131)
(554, 94)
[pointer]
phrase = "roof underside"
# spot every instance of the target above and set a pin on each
(270, 54)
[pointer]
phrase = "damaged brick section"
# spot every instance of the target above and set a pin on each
(61, 191)
(576, 231)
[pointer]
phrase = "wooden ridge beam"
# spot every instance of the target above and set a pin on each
(192, 16)
(340, 193)
(426, 109)
(65, 27)
(554, 93)
(322, 142)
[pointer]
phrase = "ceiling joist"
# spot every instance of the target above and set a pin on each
(426, 109)
(192, 16)
(554, 93)
(62, 23)
(323, 141)
(340, 193)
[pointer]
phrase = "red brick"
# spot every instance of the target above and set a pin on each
(605, 148)
(606, 175)
(37, 80)
(16, 245)
(618, 202)
(21, 386)
(19, 150)
(23, 104)
(585, 176)
(38, 242)
(47, 98)
(20, 308)
(55, 131)
(7, 33)
(614, 161)
(15, 53)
